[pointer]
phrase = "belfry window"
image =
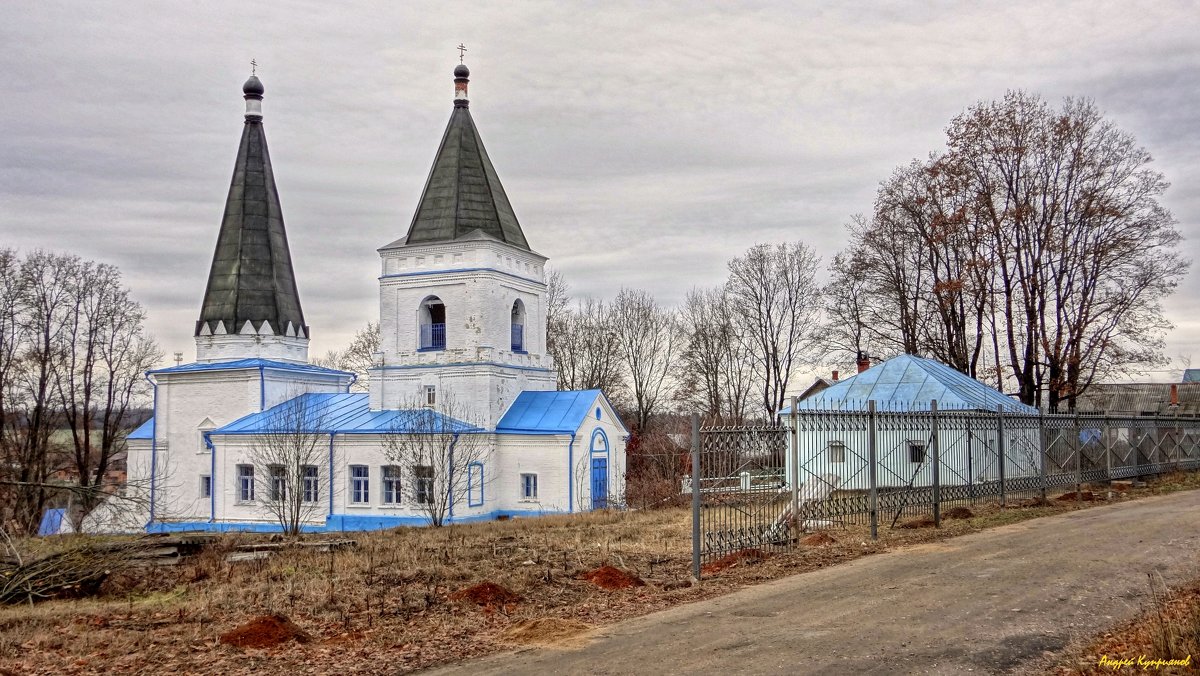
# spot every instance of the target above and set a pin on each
(431, 324)
(518, 326)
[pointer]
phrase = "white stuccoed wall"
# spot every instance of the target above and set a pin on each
(248, 344)
(478, 281)
(186, 402)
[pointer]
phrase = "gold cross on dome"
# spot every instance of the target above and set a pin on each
(462, 51)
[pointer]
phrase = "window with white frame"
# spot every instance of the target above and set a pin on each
(423, 484)
(360, 484)
(916, 451)
(529, 487)
(837, 451)
(474, 484)
(245, 483)
(278, 483)
(205, 486)
(431, 395)
(391, 485)
(312, 483)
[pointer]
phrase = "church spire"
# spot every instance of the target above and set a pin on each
(251, 285)
(463, 194)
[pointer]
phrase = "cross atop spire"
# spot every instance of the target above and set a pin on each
(253, 67)
(462, 52)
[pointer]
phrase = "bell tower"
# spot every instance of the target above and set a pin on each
(462, 296)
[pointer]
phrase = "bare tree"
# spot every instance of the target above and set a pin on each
(358, 357)
(1034, 250)
(288, 456)
(104, 354)
(583, 343)
(444, 461)
(777, 305)
(646, 335)
(715, 372)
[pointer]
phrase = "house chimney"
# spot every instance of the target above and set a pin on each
(864, 361)
(835, 375)
(1174, 395)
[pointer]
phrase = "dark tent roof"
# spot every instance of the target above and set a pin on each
(251, 278)
(463, 194)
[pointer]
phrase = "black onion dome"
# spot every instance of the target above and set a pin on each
(253, 86)
(462, 71)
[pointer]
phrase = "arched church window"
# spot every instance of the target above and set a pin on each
(431, 324)
(518, 326)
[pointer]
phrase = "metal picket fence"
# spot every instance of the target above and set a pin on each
(760, 487)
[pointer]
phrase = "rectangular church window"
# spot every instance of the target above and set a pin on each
(423, 484)
(312, 483)
(529, 487)
(360, 484)
(391, 485)
(245, 483)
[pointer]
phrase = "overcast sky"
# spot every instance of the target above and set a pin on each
(641, 144)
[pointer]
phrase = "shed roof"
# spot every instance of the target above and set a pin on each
(340, 413)
(910, 383)
(1140, 398)
(548, 412)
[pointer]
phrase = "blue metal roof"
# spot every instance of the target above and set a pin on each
(548, 412)
(1191, 375)
(340, 413)
(252, 363)
(144, 431)
(909, 383)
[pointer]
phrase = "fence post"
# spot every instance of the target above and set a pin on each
(1105, 434)
(1044, 447)
(1001, 451)
(872, 460)
(696, 495)
(970, 460)
(1078, 463)
(794, 478)
(937, 462)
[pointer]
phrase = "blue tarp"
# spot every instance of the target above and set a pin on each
(52, 522)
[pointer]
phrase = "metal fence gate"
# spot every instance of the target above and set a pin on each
(760, 487)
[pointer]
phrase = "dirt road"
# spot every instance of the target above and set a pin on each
(992, 602)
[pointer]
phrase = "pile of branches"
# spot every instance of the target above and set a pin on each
(75, 572)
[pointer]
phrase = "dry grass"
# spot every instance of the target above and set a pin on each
(1168, 629)
(386, 606)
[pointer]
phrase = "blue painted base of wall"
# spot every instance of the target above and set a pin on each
(335, 523)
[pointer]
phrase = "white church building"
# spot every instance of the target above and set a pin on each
(462, 315)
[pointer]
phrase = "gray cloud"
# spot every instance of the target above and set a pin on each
(641, 143)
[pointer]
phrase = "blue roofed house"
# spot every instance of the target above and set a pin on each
(463, 305)
(901, 387)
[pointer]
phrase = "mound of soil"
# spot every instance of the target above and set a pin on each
(958, 513)
(1086, 496)
(748, 556)
(486, 594)
(1035, 502)
(818, 539)
(918, 522)
(265, 631)
(607, 577)
(545, 630)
